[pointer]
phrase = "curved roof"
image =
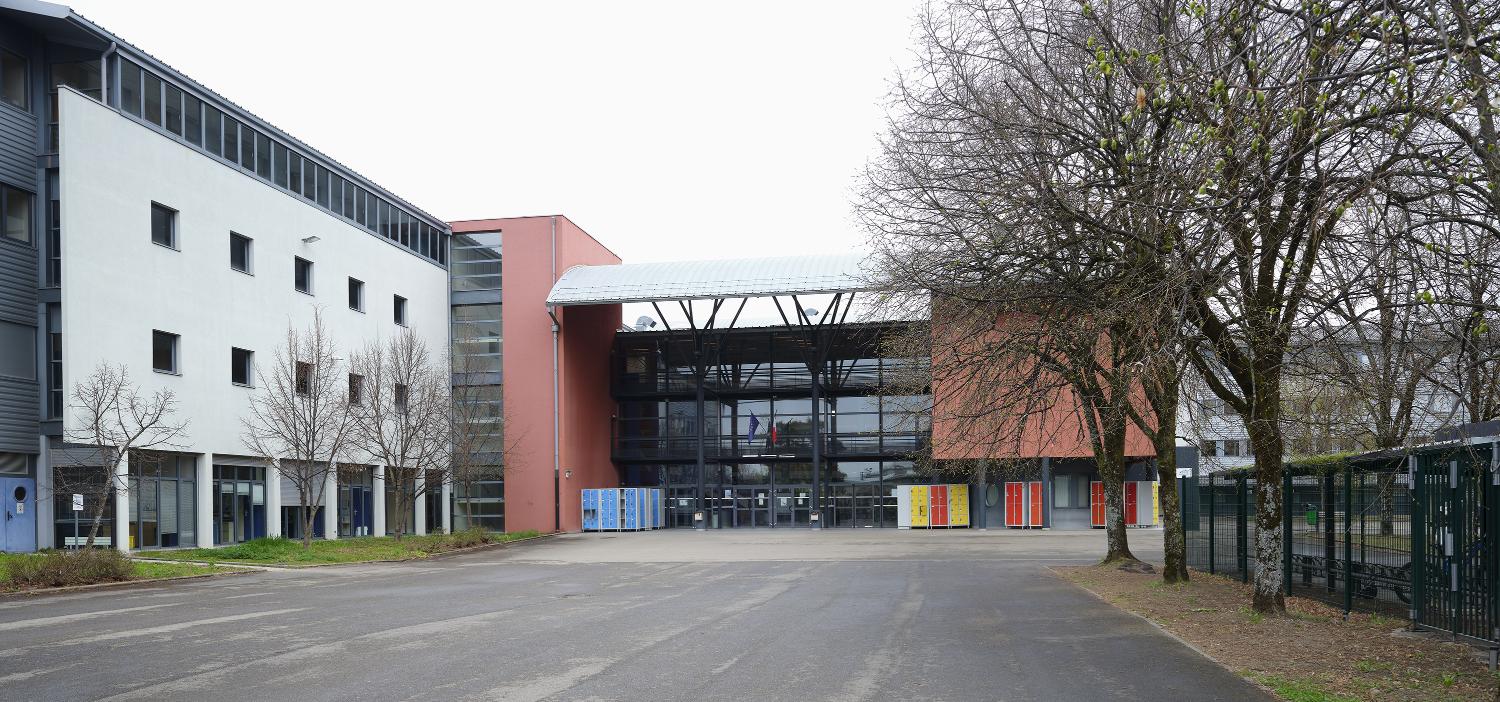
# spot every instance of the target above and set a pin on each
(700, 280)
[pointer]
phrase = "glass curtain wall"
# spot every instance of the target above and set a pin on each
(478, 485)
(162, 502)
(70, 528)
(239, 503)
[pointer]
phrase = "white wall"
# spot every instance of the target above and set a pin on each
(118, 285)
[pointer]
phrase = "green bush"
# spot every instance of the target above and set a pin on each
(472, 536)
(81, 567)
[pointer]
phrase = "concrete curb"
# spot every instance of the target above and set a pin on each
(1169, 634)
(117, 585)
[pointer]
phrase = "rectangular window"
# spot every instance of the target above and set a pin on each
(263, 156)
(239, 252)
(401, 396)
(231, 139)
(335, 193)
(356, 388)
(309, 180)
(348, 199)
(324, 187)
(13, 79)
(294, 172)
(303, 271)
(130, 87)
(163, 351)
(247, 146)
(17, 350)
(164, 225)
(361, 206)
(280, 167)
(17, 215)
(192, 119)
(174, 109)
(213, 130)
(151, 91)
(356, 295)
(303, 381)
(400, 310)
(241, 366)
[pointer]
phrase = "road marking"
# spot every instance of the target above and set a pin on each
(65, 618)
(29, 674)
(151, 631)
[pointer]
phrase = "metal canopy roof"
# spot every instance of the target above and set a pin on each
(702, 280)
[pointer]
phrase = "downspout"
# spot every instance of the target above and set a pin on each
(556, 406)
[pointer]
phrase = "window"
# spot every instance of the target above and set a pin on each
(13, 79)
(294, 172)
(263, 156)
(130, 87)
(303, 272)
(192, 119)
(213, 130)
(231, 139)
(163, 351)
(241, 366)
(247, 147)
(356, 295)
(279, 168)
(401, 393)
(400, 310)
(151, 92)
(17, 215)
(303, 381)
(164, 225)
(1231, 448)
(174, 109)
(239, 252)
(356, 388)
(17, 350)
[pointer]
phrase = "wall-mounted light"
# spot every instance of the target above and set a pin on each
(310, 239)
(568, 474)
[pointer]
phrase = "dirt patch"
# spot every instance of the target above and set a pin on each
(1311, 654)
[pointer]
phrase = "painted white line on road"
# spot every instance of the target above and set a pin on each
(29, 674)
(29, 601)
(65, 618)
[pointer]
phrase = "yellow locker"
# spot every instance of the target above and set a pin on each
(1155, 504)
(918, 506)
(958, 505)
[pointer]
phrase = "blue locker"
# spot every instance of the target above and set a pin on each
(656, 508)
(632, 511)
(591, 510)
(609, 509)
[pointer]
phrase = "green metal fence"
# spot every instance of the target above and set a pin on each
(1408, 533)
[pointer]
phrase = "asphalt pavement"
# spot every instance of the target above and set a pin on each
(672, 615)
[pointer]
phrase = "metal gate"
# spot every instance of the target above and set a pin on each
(1455, 562)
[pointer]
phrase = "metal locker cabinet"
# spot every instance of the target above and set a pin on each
(609, 509)
(1096, 503)
(903, 506)
(1014, 505)
(659, 507)
(1131, 505)
(1156, 503)
(1034, 502)
(958, 505)
(919, 506)
(590, 510)
(938, 512)
(629, 514)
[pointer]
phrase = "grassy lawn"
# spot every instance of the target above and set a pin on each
(280, 551)
(126, 570)
(1310, 655)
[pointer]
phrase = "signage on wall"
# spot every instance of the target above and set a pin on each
(77, 502)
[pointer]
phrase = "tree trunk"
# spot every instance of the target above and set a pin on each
(1174, 541)
(1111, 460)
(1264, 428)
(307, 517)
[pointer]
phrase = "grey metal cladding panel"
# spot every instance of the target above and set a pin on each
(17, 283)
(19, 425)
(18, 147)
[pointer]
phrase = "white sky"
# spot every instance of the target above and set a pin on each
(667, 130)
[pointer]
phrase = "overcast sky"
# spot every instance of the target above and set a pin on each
(667, 130)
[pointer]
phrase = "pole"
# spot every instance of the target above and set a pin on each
(1212, 566)
(698, 373)
(1348, 540)
(1286, 530)
(817, 448)
(1241, 534)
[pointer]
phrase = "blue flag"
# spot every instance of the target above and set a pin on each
(754, 424)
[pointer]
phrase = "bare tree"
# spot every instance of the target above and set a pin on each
(482, 446)
(404, 420)
(300, 419)
(114, 422)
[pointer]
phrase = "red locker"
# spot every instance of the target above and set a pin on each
(1014, 504)
(938, 512)
(1035, 498)
(1130, 503)
(1096, 503)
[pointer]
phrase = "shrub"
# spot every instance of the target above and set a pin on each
(81, 567)
(472, 536)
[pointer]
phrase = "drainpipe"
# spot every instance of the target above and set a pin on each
(556, 407)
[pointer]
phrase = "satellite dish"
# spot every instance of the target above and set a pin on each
(811, 312)
(645, 322)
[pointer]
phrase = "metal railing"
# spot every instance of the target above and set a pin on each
(1406, 533)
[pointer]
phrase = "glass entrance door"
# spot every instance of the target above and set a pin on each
(793, 504)
(240, 504)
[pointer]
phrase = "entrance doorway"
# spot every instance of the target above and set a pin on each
(239, 504)
(18, 531)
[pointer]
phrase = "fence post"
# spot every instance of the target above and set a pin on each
(1286, 530)
(1418, 570)
(1212, 565)
(1241, 534)
(1330, 550)
(1348, 540)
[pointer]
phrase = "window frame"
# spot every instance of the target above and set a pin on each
(398, 310)
(356, 294)
(171, 226)
(25, 104)
(245, 365)
(175, 351)
(297, 262)
(249, 268)
(5, 194)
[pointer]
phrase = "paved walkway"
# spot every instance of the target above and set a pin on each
(678, 615)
